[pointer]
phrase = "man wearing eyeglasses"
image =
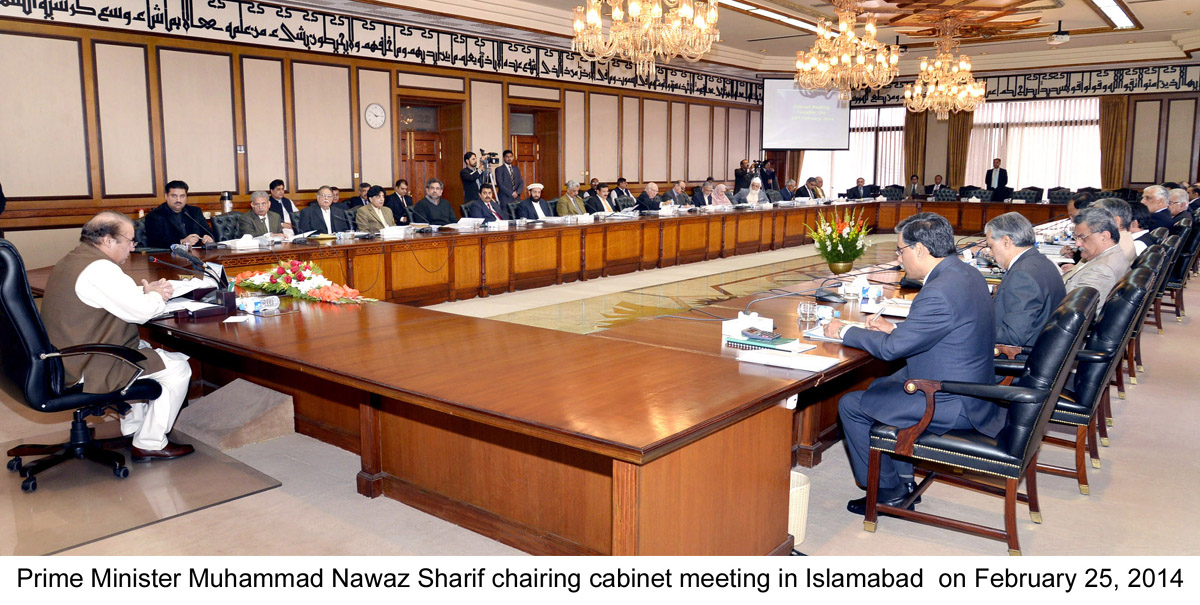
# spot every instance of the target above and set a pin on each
(89, 299)
(1178, 205)
(1096, 236)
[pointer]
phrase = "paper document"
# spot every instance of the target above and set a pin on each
(895, 307)
(186, 305)
(817, 332)
(809, 363)
(181, 287)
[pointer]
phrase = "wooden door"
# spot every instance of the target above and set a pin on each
(528, 153)
(422, 159)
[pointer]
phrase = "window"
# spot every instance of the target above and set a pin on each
(876, 152)
(1053, 143)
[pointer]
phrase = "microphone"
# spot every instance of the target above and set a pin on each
(182, 252)
(156, 260)
(202, 225)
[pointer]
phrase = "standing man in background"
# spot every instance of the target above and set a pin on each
(472, 176)
(997, 182)
(742, 176)
(509, 182)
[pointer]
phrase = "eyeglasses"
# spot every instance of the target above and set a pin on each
(1080, 238)
(131, 241)
(900, 250)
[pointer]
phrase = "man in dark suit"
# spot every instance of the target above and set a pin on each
(937, 184)
(281, 205)
(1139, 219)
(534, 207)
(174, 222)
(1193, 197)
(324, 216)
(997, 182)
(260, 219)
(399, 202)
(649, 200)
(1156, 199)
(742, 176)
(677, 195)
(486, 207)
(1032, 286)
(509, 183)
(948, 336)
(1177, 205)
(472, 176)
(861, 190)
(598, 201)
(788, 192)
(621, 190)
(808, 190)
(703, 195)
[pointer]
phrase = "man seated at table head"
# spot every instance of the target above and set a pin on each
(280, 204)
(89, 299)
(1177, 205)
(1123, 216)
(1104, 263)
(676, 195)
(323, 216)
(1139, 216)
(703, 195)
(915, 188)
(374, 216)
(1157, 198)
(486, 206)
(399, 201)
(570, 202)
(599, 201)
(260, 219)
(789, 190)
(861, 190)
(937, 184)
(534, 207)
(175, 222)
(753, 195)
(1032, 286)
(621, 190)
(948, 335)
(649, 200)
(432, 208)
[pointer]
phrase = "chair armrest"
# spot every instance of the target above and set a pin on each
(1094, 356)
(1009, 351)
(994, 392)
(905, 438)
(125, 354)
(1008, 367)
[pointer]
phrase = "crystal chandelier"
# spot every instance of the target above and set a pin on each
(843, 61)
(946, 84)
(643, 31)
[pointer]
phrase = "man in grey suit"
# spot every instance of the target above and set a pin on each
(1032, 286)
(677, 195)
(260, 220)
(948, 336)
(509, 183)
(1097, 235)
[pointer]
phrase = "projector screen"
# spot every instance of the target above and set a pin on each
(797, 118)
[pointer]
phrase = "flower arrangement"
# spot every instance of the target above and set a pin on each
(840, 240)
(300, 280)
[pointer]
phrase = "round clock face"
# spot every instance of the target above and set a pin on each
(375, 115)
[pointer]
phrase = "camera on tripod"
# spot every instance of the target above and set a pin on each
(756, 166)
(489, 157)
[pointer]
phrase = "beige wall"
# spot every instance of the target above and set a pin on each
(197, 105)
(720, 152)
(1145, 141)
(631, 119)
(735, 146)
(266, 140)
(487, 117)
(43, 150)
(654, 140)
(376, 143)
(322, 99)
(678, 141)
(574, 138)
(700, 142)
(937, 138)
(604, 151)
(44, 247)
(123, 106)
(1182, 116)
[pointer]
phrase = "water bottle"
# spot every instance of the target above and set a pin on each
(258, 304)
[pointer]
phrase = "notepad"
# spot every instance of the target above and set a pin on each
(794, 361)
(894, 307)
(790, 345)
(817, 332)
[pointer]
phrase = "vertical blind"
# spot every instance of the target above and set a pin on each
(1052, 143)
(876, 152)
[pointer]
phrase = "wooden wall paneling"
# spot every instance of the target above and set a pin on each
(487, 116)
(693, 240)
(655, 131)
(736, 143)
(264, 123)
(678, 141)
(496, 264)
(198, 119)
(574, 140)
(604, 143)
(355, 122)
(716, 238)
(569, 248)
(1180, 130)
(622, 248)
(325, 128)
(126, 155)
(631, 139)
(548, 128)
(720, 151)
(534, 259)
(452, 124)
(237, 81)
(594, 239)
(466, 268)
(1144, 142)
(700, 142)
(651, 244)
(669, 244)
(375, 148)
(755, 129)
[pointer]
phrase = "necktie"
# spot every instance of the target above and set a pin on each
(607, 208)
(493, 211)
(266, 227)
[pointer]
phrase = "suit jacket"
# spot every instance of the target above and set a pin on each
(162, 231)
(367, 220)
(741, 179)
(1100, 273)
(645, 202)
(278, 208)
(914, 190)
(1160, 218)
(1030, 291)
(509, 187)
(786, 195)
(478, 210)
(675, 198)
(948, 336)
(400, 206)
(931, 189)
(525, 210)
(618, 192)
(251, 224)
(568, 205)
(310, 219)
(700, 200)
(743, 197)
(1192, 205)
(471, 180)
(593, 203)
(858, 193)
(987, 179)
(1179, 217)
(804, 192)
(1146, 238)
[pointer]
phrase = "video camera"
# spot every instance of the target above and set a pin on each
(489, 157)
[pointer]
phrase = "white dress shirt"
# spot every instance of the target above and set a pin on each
(103, 285)
(327, 215)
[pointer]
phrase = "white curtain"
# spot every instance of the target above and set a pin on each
(1052, 143)
(876, 153)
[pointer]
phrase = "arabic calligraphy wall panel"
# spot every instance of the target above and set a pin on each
(678, 141)
(631, 139)
(603, 142)
(1181, 114)
(375, 143)
(197, 107)
(575, 137)
(720, 163)
(45, 147)
(654, 140)
(487, 117)
(321, 96)
(736, 144)
(123, 106)
(266, 151)
(700, 141)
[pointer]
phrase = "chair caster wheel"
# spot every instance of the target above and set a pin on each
(14, 464)
(29, 484)
(121, 472)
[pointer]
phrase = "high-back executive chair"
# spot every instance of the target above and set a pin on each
(33, 372)
(1012, 454)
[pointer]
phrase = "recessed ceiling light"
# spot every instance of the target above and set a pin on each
(1115, 13)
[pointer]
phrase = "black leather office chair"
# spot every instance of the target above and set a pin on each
(139, 232)
(892, 193)
(512, 210)
(1027, 196)
(1182, 269)
(774, 196)
(626, 201)
(227, 226)
(1059, 195)
(1153, 257)
(1087, 394)
(984, 195)
(33, 372)
(1012, 454)
(945, 194)
(1173, 244)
